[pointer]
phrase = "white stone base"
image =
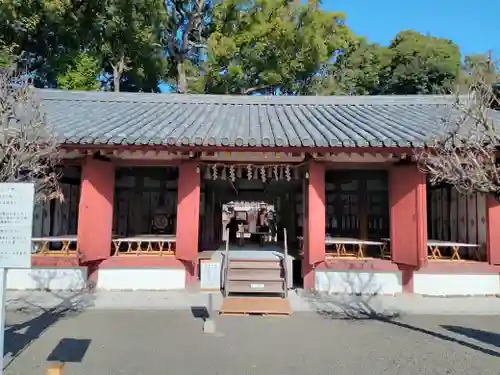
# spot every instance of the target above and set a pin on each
(354, 282)
(141, 279)
(47, 278)
(456, 284)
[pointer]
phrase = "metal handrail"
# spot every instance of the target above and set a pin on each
(226, 263)
(285, 260)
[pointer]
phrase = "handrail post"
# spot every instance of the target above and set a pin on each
(226, 263)
(285, 260)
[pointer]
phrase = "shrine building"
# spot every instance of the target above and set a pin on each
(153, 182)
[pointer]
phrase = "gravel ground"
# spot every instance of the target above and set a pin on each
(156, 342)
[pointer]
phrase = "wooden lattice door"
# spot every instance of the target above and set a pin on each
(357, 204)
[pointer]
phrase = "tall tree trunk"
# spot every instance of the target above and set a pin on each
(118, 70)
(116, 80)
(181, 78)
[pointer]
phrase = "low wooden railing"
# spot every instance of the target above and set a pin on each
(148, 244)
(44, 246)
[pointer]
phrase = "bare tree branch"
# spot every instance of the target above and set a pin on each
(251, 90)
(28, 146)
(197, 45)
(465, 155)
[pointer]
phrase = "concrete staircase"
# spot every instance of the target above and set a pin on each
(256, 277)
(255, 286)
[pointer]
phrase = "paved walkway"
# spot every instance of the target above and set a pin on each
(156, 342)
(300, 301)
(134, 333)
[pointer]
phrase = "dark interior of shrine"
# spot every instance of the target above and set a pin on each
(285, 194)
(140, 194)
(357, 205)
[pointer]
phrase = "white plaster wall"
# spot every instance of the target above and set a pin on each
(47, 278)
(353, 282)
(141, 279)
(456, 284)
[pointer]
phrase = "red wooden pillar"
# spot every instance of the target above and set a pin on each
(95, 213)
(408, 221)
(315, 228)
(492, 230)
(188, 218)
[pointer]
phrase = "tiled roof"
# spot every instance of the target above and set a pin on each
(205, 120)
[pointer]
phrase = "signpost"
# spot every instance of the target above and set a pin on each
(210, 271)
(16, 222)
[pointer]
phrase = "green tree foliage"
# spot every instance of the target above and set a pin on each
(421, 64)
(126, 35)
(412, 64)
(270, 45)
(42, 33)
(49, 36)
(356, 71)
(81, 74)
(481, 70)
(7, 57)
(486, 66)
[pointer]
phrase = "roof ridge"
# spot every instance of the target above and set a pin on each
(102, 96)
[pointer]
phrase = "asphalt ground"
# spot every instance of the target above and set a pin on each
(157, 342)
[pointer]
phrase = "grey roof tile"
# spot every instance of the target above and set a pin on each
(103, 118)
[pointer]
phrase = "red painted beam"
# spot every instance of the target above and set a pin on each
(366, 150)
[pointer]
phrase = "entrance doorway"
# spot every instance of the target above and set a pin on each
(256, 204)
(250, 224)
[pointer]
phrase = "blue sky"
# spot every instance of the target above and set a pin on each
(473, 25)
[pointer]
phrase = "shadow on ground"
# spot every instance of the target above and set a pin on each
(364, 306)
(358, 300)
(486, 337)
(200, 312)
(39, 318)
(69, 350)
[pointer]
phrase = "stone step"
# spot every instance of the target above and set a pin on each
(271, 274)
(254, 264)
(241, 286)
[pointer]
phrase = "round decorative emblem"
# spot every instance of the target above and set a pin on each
(160, 221)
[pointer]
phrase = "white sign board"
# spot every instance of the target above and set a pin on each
(16, 224)
(210, 274)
